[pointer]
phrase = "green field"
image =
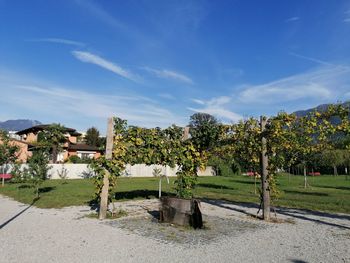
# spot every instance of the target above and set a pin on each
(325, 193)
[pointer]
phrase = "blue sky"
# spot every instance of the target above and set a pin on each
(155, 63)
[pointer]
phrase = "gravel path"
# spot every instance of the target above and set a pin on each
(29, 234)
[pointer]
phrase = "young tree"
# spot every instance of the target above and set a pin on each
(38, 168)
(8, 152)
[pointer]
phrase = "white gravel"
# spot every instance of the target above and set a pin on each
(65, 235)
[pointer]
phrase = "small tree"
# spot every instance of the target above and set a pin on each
(8, 152)
(38, 168)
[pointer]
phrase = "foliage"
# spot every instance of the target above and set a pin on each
(204, 130)
(134, 145)
(113, 167)
(92, 137)
(77, 159)
(224, 166)
(8, 151)
(38, 168)
(52, 138)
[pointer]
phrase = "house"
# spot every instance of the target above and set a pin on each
(70, 148)
(24, 149)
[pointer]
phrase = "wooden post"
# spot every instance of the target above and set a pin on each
(264, 173)
(105, 187)
(186, 134)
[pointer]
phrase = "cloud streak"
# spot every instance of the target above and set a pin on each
(87, 57)
(321, 84)
(217, 107)
(292, 19)
(169, 74)
(60, 41)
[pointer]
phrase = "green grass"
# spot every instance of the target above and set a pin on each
(326, 193)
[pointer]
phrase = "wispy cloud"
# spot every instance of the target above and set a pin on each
(292, 19)
(166, 96)
(59, 41)
(217, 107)
(321, 84)
(100, 13)
(169, 74)
(347, 16)
(322, 62)
(101, 62)
(78, 108)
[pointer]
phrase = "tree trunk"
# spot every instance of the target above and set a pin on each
(104, 197)
(54, 154)
(105, 189)
(335, 171)
(305, 177)
(264, 174)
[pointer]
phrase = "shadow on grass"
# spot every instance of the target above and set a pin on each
(215, 186)
(245, 182)
(24, 186)
(47, 189)
(305, 193)
(18, 214)
(302, 214)
(146, 194)
(345, 188)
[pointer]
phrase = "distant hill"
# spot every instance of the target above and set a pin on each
(18, 125)
(320, 108)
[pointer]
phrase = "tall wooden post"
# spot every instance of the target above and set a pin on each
(264, 173)
(105, 187)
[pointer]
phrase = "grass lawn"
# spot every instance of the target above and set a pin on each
(326, 193)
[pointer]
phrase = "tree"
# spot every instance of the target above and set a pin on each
(53, 137)
(334, 158)
(204, 130)
(134, 145)
(92, 137)
(8, 151)
(38, 168)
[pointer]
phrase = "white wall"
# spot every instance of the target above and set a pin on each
(79, 171)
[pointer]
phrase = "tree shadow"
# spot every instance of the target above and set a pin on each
(24, 186)
(297, 261)
(226, 204)
(155, 214)
(334, 187)
(245, 182)
(146, 194)
(215, 186)
(305, 193)
(302, 214)
(47, 189)
(18, 214)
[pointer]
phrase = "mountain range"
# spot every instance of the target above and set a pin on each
(18, 125)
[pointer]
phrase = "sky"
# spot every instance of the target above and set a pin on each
(156, 63)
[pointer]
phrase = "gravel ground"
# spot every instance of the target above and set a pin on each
(29, 234)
